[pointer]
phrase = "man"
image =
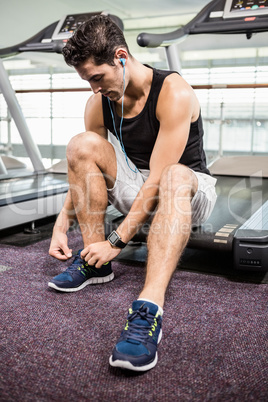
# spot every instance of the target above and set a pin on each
(159, 174)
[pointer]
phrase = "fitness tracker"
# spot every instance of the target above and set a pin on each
(115, 240)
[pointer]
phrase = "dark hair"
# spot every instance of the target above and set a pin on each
(99, 37)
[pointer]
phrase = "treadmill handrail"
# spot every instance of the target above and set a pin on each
(19, 119)
(155, 40)
(15, 49)
(51, 47)
(34, 44)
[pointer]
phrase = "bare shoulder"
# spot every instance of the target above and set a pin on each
(93, 105)
(176, 91)
(176, 87)
(94, 116)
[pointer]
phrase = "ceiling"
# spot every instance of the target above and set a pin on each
(21, 19)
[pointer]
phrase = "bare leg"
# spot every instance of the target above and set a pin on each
(91, 169)
(170, 230)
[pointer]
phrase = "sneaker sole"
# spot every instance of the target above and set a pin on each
(129, 366)
(91, 281)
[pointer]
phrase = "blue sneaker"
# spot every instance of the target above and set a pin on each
(79, 274)
(136, 348)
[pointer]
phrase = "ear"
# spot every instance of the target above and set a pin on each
(121, 55)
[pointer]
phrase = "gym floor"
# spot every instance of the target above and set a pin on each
(55, 347)
(206, 261)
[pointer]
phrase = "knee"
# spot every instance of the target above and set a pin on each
(82, 147)
(178, 179)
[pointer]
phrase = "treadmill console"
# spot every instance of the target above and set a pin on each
(69, 23)
(53, 37)
(245, 8)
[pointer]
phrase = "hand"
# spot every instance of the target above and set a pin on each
(99, 253)
(59, 246)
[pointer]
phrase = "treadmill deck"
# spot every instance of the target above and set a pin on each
(26, 199)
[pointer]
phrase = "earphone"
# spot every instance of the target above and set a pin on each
(120, 139)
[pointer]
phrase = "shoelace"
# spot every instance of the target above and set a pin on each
(139, 332)
(78, 264)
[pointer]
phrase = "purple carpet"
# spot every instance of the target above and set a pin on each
(55, 347)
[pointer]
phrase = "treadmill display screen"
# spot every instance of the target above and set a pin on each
(69, 23)
(241, 5)
(72, 22)
(245, 8)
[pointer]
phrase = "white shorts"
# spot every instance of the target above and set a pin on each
(129, 182)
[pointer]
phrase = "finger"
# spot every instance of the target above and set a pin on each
(57, 254)
(85, 257)
(92, 261)
(84, 253)
(61, 257)
(66, 251)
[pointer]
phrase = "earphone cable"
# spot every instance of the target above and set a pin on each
(120, 138)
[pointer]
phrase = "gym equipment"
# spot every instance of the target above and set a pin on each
(239, 222)
(26, 195)
(52, 38)
(214, 18)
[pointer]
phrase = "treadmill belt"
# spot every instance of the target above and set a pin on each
(27, 188)
(239, 201)
(258, 221)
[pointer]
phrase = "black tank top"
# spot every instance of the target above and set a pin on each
(139, 133)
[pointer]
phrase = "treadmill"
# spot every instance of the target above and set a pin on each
(29, 195)
(239, 221)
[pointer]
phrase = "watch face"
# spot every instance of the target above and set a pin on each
(113, 237)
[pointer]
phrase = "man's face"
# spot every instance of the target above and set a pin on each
(106, 79)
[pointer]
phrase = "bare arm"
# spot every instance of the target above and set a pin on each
(177, 107)
(59, 243)
(93, 116)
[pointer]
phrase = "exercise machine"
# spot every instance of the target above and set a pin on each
(28, 195)
(239, 222)
(217, 17)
